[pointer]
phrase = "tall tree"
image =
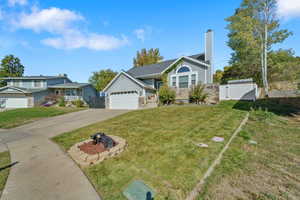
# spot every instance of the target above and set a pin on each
(253, 30)
(101, 78)
(147, 57)
(10, 67)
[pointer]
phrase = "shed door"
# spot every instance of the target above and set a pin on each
(124, 100)
(21, 102)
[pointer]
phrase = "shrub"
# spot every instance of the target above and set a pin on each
(78, 103)
(197, 94)
(61, 102)
(166, 95)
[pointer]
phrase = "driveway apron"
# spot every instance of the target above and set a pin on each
(41, 170)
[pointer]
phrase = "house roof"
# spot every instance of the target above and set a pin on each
(159, 67)
(70, 85)
(41, 77)
(23, 90)
(140, 83)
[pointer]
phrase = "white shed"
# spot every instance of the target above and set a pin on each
(244, 89)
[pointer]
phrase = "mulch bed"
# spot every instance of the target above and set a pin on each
(91, 148)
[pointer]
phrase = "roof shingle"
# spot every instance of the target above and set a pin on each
(158, 67)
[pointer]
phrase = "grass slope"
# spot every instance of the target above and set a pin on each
(17, 117)
(269, 170)
(4, 161)
(161, 148)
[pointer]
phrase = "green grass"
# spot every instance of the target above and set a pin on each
(4, 161)
(161, 148)
(267, 171)
(17, 117)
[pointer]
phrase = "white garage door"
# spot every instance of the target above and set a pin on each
(124, 100)
(16, 102)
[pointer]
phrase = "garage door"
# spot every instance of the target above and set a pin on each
(16, 103)
(124, 100)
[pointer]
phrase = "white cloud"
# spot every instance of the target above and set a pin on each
(61, 23)
(288, 8)
(17, 2)
(143, 33)
(54, 20)
(90, 41)
(140, 34)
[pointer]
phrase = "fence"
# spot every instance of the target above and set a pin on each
(239, 90)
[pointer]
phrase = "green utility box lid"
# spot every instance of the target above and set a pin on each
(138, 190)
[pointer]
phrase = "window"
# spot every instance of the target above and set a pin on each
(183, 69)
(193, 79)
(183, 81)
(173, 81)
(17, 83)
(37, 84)
(68, 92)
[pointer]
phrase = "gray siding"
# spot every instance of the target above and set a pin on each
(39, 97)
(149, 82)
(57, 81)
(123, 83)
(27, 83)
(89, 93)
(200, 70)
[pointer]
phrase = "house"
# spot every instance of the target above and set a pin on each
(138, 86)
(30, 91)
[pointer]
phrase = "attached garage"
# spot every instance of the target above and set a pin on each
(21, 102)
(14, 97)
(124, 100)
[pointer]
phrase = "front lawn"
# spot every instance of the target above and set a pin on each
(4, 169)
(161, 150)
(17, 117)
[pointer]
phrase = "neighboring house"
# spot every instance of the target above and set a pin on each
(29, 91)
(139, 85)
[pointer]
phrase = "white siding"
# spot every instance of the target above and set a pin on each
(242, 91)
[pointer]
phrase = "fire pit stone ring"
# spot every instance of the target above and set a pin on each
(85, 159)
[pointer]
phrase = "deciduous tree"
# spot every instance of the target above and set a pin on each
(147, 57)
(101, 78)
(10, 67)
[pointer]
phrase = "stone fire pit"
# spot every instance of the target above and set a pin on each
(87, 153)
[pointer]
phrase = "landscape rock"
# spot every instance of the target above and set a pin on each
(217, 139)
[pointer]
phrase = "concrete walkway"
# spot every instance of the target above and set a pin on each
(43, 170)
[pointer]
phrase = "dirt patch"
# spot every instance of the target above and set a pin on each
(91, 148)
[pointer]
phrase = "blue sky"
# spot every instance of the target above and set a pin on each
(79, 37)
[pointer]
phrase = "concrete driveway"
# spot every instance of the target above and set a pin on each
(43, 170)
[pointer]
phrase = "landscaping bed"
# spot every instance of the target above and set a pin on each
(17, 117)
(162, 148)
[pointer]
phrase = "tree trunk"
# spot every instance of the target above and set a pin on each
(266, 60)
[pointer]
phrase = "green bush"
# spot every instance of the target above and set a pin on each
(78, 103)
(166, 95)
(197, 94)
(61, 102)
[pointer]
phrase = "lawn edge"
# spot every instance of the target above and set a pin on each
(9, 156)
(197, 189)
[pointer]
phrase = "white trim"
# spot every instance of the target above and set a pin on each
(189, 74)
(183, 66)
(128, 76)
(12, 87)
(188, 58)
